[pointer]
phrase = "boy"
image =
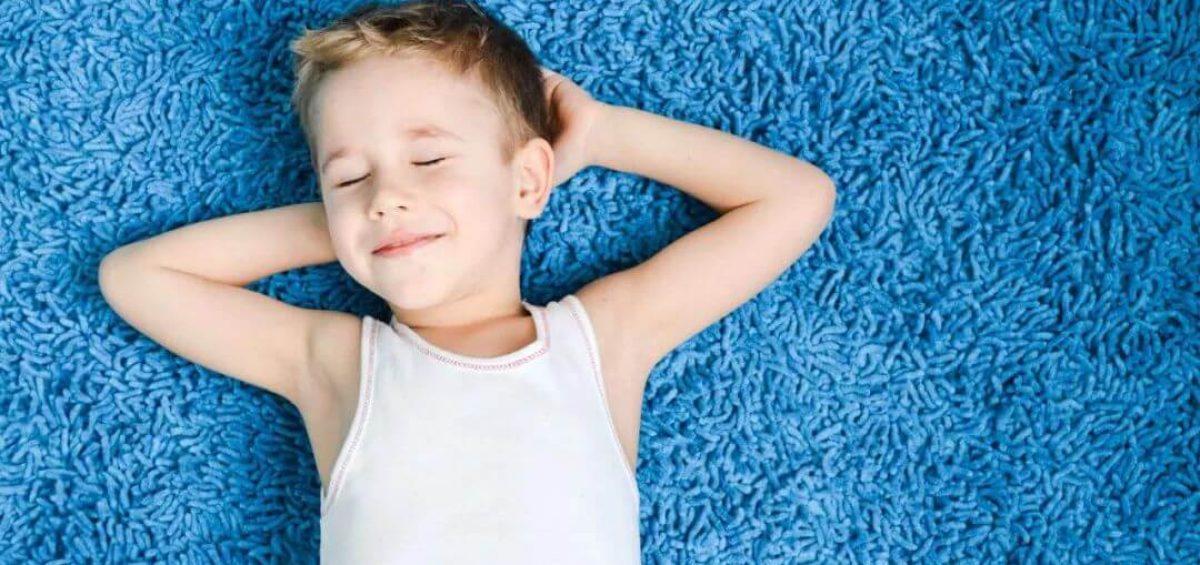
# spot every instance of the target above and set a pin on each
(436, 137)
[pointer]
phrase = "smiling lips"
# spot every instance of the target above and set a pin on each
(401, 242)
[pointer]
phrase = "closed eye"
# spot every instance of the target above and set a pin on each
(417, 163)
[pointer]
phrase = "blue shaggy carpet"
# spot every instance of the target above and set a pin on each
(990, 355)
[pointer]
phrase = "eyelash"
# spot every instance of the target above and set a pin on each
(419, 164)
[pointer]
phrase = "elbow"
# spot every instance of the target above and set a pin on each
(831, 193)
(828, 201)
(828, 193)
(110, 274)
(831, 187)
(809, 176)
(105, 270)
(106, 274)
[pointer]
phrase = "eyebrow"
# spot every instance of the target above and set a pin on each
(414, 132)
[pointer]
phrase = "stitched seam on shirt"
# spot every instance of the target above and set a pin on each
(337, 478)
(488, 367)
(598, 380)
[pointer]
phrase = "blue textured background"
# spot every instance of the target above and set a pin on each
(991, 354)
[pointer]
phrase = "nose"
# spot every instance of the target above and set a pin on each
(391, 191)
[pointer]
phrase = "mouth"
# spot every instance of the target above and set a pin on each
(406, 247)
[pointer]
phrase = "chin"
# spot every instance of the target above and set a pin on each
(412, 297)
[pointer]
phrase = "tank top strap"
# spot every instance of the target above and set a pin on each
(570, 331)
(576, 345)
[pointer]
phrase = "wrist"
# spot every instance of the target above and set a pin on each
(599, 139)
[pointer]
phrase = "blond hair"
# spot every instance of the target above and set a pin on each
(458, 34)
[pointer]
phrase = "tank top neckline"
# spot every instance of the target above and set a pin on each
(530, 351)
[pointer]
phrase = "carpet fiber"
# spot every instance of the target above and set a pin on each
(989, 356)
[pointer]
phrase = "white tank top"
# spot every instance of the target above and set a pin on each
(458, 459)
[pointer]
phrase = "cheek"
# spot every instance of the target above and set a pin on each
(343, 234)
(476, 213)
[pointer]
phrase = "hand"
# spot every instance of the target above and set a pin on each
(573, 115)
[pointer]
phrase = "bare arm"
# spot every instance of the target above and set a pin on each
(773, 208)
(720, 169)
(183, 289)
(241, 248)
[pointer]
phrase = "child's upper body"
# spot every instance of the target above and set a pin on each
(509, 458)
(431, 122)
(468, 430)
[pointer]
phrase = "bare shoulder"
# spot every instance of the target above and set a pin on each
(335, 343)
(624, 371)
(603, 304)
(616, 325)
(330, 398)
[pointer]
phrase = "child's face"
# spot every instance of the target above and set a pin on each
(471, 195)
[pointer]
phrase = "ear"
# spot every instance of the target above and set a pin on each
(533, 171)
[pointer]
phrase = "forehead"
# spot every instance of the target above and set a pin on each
(392, 91)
